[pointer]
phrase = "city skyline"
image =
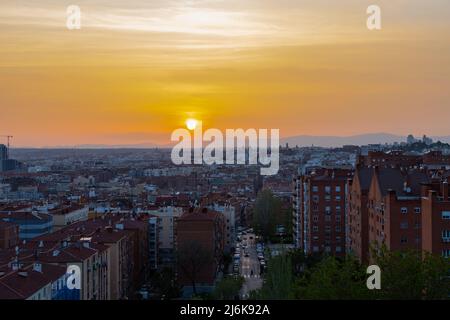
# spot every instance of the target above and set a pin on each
(135, 72)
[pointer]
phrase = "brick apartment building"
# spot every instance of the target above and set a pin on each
(405, 160)
(358, 215)
(400, 201)
(436, 218)
(394, 208)
(320, 200)
(207, 229)
(112, 254)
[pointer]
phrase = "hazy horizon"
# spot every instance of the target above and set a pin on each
(137, 70)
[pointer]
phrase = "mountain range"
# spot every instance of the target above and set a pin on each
(300, 140)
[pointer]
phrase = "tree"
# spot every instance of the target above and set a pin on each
(334, 279)
(411, 276)
(164, 283)
(264, 215)
(228, 288)
(279, 279)
(193, 258)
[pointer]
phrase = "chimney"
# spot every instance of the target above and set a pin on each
(444, 190)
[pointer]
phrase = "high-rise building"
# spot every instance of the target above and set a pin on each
(394, 207)
(3, 152)
(436, 218)
(7, 164)
(358, 216)
(319, 211)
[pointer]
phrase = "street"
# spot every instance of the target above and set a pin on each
(253, 280)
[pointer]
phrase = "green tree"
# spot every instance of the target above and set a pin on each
(228, 288)
(279, 279)
(334, 279)
(265, 213)
(410, 276)
(164, 283)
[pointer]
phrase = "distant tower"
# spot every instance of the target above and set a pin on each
(410, 139)
(3, 152)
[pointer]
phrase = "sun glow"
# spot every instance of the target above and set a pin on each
(191, 124)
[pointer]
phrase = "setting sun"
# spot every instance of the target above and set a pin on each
(191, 124)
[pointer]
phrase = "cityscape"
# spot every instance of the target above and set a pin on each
(141, 228)
(224, 158)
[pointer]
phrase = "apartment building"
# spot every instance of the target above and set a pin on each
(31, 223)
(167, 217)
(36, 281)
(436, 218)
(394, 208)
(207, 229)
(358, 214)
(320, 200)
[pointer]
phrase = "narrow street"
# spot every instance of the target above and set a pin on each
(253, 280)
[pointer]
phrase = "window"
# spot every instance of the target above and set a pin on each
(315, 238)
(327, 189)
(417, 210)
(404, 210)
(328, 198)
(338, 189)
(338, 239)
(327, 210)
(338, 209)
(327, 229)
(446, 235)
(338, 218)
(327, 249)
(315, 189)
(315, 218)
(338, 229)
(315, 229)
(315, 198)
(404, 225)
(404, 239)
(446, 253)
(338, 249)
(328, 218)
(446, 215)
(338, 198)
(315, 249)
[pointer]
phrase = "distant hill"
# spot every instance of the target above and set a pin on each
(362, 139)
(301, 141)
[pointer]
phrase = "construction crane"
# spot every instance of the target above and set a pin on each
(8, 138)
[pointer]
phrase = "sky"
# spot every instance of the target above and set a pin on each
(136, 70)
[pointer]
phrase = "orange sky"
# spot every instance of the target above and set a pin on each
(137, 69)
